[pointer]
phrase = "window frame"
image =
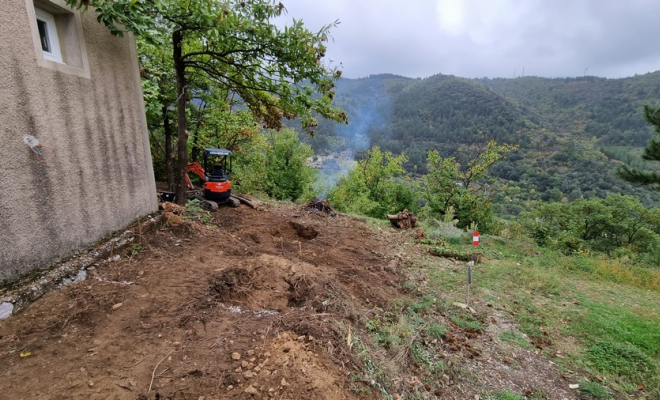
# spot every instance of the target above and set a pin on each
(51, 35)
(69, 33)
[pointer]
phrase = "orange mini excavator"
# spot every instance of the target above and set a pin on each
(215, 174)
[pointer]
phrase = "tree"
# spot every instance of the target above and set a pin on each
(651, 153)
(450, 183)
(288, 176)
(159, 92)
(276, 72)
(371, 187)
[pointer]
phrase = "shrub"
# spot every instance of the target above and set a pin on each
(287, 175)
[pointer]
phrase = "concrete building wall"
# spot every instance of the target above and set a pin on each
(89, 113)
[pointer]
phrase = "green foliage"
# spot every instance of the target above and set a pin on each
(425, 359)
(620, 359)
(515, 339)
(503, 395)
(436, 330)
(227, 41)
(232, 45)
(134, 249)
(565, 129)
(608, 226)
(651, 153)
(444, 230)
(372, 188)
(287, 175)
(195, 210)
(593, 390)
(468, 322)
(249, 166)
(451, 184)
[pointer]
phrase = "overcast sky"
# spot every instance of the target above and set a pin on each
(477, 38)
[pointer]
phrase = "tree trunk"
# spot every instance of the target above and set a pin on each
(182, 145)
(169, 165)
(195, 147)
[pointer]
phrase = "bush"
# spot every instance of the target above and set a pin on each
(287, 175)
(445, 229)
(372, 189)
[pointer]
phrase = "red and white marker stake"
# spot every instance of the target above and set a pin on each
(475, 243)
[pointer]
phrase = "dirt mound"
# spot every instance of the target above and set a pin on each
(286, 367)
(270, 283)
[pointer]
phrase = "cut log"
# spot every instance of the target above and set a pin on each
(439, 252)
(250, 201)
(404, 220)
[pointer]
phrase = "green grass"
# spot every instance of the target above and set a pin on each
(611, 308)
(467, 322)
(621, 359)
(597, 319)
(436, 330)
(504, 395)
(515, 339)
(593, 390)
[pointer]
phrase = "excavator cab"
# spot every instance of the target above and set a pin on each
(217, 175)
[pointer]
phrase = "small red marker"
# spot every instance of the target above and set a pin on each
(475, 238)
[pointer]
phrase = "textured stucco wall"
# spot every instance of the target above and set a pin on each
(99, 177)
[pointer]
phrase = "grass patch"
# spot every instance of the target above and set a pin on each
(436, 330)
(423, 306)
(423, 358)
(620, 359)
(467, 322)
(515, 339)
(593, 390)
(621, 272)
(602, 314)
(504, 395)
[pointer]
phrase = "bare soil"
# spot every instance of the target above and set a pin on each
(263, 285)
(256, 304)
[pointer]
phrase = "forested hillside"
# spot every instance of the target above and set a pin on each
(572, 132)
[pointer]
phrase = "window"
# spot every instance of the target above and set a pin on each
(50, 43)
(57, 34)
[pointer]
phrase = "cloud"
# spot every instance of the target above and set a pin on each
(476, 38)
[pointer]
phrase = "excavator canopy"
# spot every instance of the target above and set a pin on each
(217, 152)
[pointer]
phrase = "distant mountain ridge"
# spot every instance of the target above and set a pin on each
(572, 132)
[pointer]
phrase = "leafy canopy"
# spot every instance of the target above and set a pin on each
(450, 184)
(276, 71)
(372, 186)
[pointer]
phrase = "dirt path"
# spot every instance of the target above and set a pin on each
(258, 304)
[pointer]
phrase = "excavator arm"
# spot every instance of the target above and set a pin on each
(196, 168)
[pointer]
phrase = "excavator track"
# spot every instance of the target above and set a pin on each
(233, 202)
(207, 204)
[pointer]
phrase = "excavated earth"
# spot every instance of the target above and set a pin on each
(241, 308)
(254, 304)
